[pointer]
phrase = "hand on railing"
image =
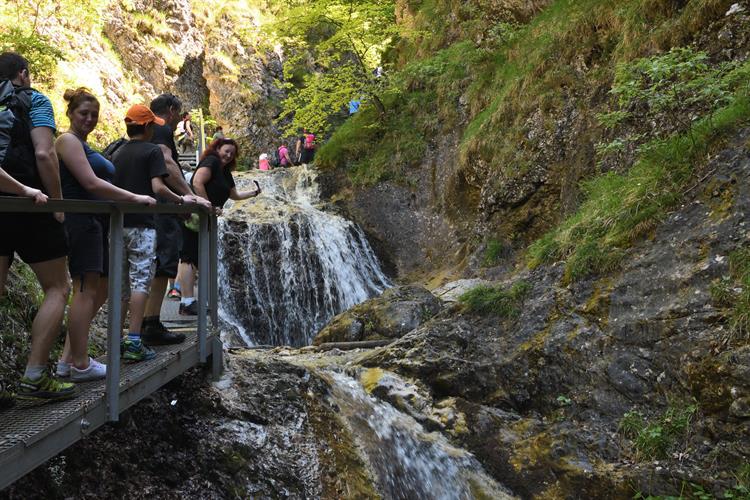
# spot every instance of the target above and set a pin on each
(35, 194)
(145, 200)
(59, 217)
(191, 198)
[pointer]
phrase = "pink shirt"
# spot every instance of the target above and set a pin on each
(283, 153)
(263, 165)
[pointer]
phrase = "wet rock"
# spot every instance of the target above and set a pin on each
(395, 313)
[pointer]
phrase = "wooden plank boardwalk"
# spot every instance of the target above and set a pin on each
(31, 433)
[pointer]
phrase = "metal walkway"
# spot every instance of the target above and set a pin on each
(32, 433)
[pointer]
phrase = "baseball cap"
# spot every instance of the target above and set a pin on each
(263, 156)
(141, 115)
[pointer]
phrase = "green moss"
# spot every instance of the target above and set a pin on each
(370, 378)
(732, 293)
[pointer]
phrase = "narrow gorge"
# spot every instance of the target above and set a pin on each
(518, 269)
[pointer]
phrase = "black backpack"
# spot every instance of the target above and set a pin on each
(113, 147)
(275, 159)
(17, 156)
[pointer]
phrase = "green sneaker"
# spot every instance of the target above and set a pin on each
(133, 351)
(46, 387)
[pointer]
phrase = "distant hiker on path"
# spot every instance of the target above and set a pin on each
(218, 134)
(308, 147)
(284, 159)
(185, 136)
(263, 163)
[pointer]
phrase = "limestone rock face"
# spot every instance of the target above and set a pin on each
(396, 312)
(158, 41)
(543, 395)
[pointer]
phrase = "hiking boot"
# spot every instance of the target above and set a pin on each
(46, 387)
(95, 371)
(174, 294)
(133, 351)
(189, 310)
(157, 334)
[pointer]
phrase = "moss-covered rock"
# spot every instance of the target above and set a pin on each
(392, 315)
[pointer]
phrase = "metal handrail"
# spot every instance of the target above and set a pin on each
(207, 285)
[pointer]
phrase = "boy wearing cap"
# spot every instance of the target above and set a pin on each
(140, 169)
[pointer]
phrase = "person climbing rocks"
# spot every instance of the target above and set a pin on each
(140, 168)
(214, 182)
(38, 238)
(86, 175)
(185, 135)
(168, 226)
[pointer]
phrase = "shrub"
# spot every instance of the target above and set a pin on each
(496, 300)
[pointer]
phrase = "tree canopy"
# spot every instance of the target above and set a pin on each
(334, 48)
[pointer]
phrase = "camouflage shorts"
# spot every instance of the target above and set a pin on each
(139, 263)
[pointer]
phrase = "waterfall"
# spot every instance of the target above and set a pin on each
(286, 266)
(409, 462)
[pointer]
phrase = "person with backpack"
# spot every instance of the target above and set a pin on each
(283, 152)
(140, 169)
(308, 147)
(185, 136)
(212, 181)
(298, 147)
(28, 155)
(86, 175)
(263, 162)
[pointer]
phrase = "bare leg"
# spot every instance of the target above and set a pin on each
(187, 280)
(86, 302)
(137, 307)
(53, 276)
(156, 296)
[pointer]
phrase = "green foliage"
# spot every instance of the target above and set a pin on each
(732, 293)
(493, 252)
(677, 87)
(42, 55)
(496, 300)
(657, 437)
(620, 208)
(333, 46)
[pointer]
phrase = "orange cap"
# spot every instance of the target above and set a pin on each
(141, 115)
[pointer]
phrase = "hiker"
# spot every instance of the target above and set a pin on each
(298, 147)
(263, 163)
(37, 238)
(354, 106)
(308, 147)
(218, 134)
(86, 175)
(284, 159)
(168, 107)
(185, 136)
(213, 181)
(140, 168)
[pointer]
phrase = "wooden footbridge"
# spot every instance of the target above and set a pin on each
(32, 433)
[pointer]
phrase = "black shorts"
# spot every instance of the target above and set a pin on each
(307, 155)
(88, 240)
(189, 252)
(35, 237)
(168, 244)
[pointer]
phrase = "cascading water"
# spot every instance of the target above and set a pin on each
(286, 267)
(408, 461)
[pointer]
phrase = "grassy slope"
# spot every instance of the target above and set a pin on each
(504, 76)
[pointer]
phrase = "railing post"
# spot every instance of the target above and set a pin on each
(213, 255)
(114, 325)
(203, 286)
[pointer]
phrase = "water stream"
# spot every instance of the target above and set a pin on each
(408, 461)
(286, 266)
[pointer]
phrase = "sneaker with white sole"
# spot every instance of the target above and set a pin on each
(95, 371)
(63, 369)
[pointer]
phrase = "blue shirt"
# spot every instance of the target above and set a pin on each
(353, 106)
(102, 167)
(41, 112)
